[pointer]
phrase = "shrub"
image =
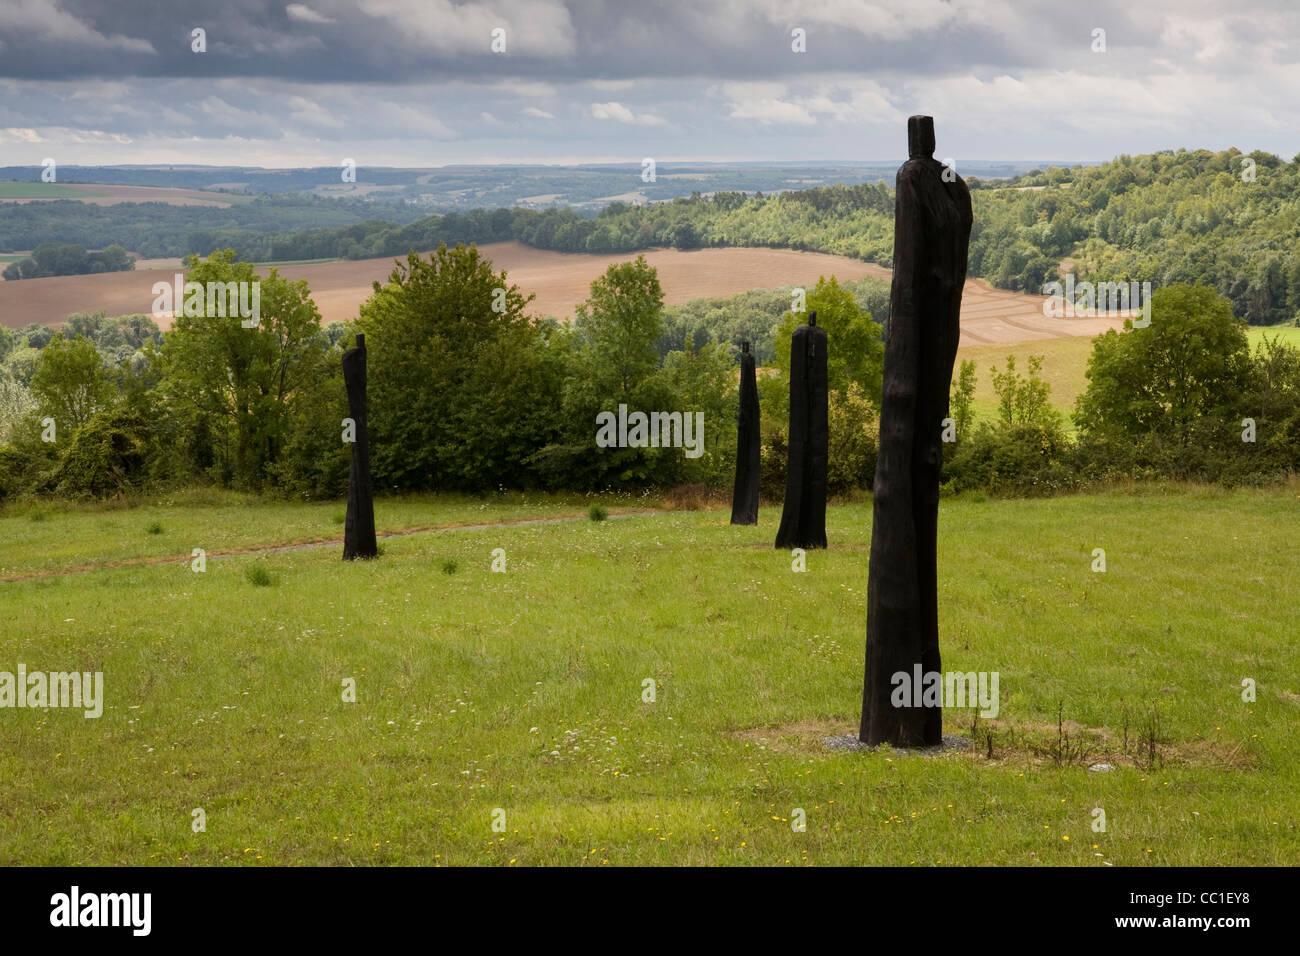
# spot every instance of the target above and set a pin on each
(462, 387)
(1017, 460)
(854, 432)
(314, 461)
(69, 383)
(259, 575)
(107, 456)
(773, 459)
(1191, 363)
(20, 472)
(854, 426)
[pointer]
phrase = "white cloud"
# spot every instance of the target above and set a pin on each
(397, 119)
(222, 112)
(621, 114)
(305, 14)
(1207, 40)
(886, 20)
(314, 114)
(533, 27)
(763, 102)
(25, 135)
(850, 100)
(517, 87)
(540, 114)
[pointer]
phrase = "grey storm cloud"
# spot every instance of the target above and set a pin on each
(389, 41)
(415, 82)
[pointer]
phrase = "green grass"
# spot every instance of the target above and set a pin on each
(15, 189)
(523, 691)
(1288, 334)
(55, 536)
(280, 263)
(1065, 363)
(258, 575)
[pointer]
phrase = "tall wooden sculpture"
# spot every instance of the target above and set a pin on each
(803, 518)
(744, 497)
(359, 524)
(932, 224)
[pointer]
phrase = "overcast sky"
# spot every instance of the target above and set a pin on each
(416, 83)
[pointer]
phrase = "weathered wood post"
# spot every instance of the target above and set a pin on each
(744, 496)
(803, 517)
(359, 525)
(932, 224)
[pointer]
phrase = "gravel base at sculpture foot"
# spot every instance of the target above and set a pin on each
(851, 742)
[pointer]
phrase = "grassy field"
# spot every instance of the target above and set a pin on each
(108, 194)
(16, 189)
(38, 541)
(1288, 334)
(281, 263)
(1065, 362)
(519, 696)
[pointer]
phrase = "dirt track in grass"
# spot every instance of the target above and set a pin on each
(324, 542)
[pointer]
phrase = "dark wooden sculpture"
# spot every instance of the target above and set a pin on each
(744, 496)
(359, 524)
(803, 518)
(932, 224)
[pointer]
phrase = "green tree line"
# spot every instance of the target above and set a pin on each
(469, 391)
(1183, 398)
(1223, 219)
(159, 230)
(472, 392)
(68, 259)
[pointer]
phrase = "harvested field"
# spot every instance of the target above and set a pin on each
(560, 281)
(992, 316)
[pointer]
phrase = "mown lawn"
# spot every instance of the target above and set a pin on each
(522, 691)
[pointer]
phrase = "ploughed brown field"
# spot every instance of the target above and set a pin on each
(560, 281)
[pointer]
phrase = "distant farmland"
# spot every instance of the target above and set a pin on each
(560, 282)
(101, 195)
